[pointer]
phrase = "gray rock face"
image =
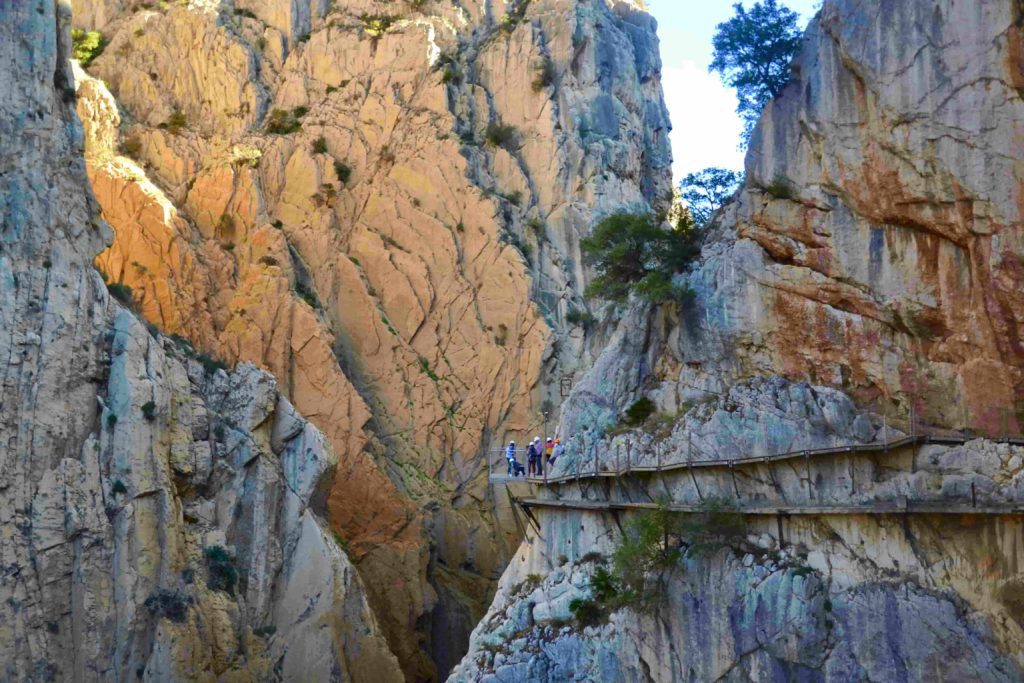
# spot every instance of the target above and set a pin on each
(159, 514)
(869, 267)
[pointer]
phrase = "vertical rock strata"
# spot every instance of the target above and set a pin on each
(868, 273)
(380, 204)
(162, 518)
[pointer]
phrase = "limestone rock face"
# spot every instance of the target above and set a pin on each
(863, 284)
(163, 519)
(380, 204)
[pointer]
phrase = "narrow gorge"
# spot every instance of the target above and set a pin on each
(279, 279)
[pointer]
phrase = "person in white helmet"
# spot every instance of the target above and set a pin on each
(510, 455)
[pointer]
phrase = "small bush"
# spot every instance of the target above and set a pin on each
(580, 316)
(47, 263)
(242, 12)
(131, 147)
(545, 75)
(111, 421)
(149, 410)
(222, 572)
(169, 605)
(122, 293)
(638, 413)
(320, 145)
(282, 122)
(343, 172)
(500, 135)
(86, 45)
(376, 25)
(278, 224)
(265, 631)
(592, 556)
(118, 487)
(781, 188)
(514, 16)
(587, 612)
(210, 364)
(268, 260)
(175, 123)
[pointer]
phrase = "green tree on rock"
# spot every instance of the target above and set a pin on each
(753, 52)
(634, 253)
(706, 190)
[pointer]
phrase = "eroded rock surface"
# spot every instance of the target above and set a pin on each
(380, 204)
(163, 519)
(864, 283)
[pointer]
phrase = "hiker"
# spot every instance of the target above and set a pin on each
(510, 455)
(533, 457)
(549, 447)
(557, 452)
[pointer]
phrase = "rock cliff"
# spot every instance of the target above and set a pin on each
(163, 518)
(864, 284)
(380, 203)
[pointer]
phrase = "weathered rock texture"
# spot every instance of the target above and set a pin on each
(162, 518)
(868, 274)
(326, 190)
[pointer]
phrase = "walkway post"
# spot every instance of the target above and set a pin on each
(657, 454)
(617, 471)
(629, 448)
(488, 456)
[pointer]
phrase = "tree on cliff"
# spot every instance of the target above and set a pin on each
(706, 190)
(635, 253)
(752, 53)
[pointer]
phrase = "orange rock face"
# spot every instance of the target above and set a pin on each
(327, 198)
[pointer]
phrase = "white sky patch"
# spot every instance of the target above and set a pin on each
(705, 126)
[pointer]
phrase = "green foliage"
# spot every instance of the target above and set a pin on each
(632, 253)
(210, 364)
(652, 546)
(780, 188)
(580, 316)
(268, 260)
(500, 135)
(265, 631)
(376, 25)
(111, 421)
(545, 76)
(592, 556)
(283, 122)
(222, 573)
(320, 145)
(752, 53)
(175, 123)
(118, 487)
(86, 45)
(122, 293)
(131, 147)
(242, 12)
(587, 612)
(343, 172)
(307, 295)
(638, 413)
(169, 605)
(427, 370)
(514, 16)
(706, 190)
(149, 410)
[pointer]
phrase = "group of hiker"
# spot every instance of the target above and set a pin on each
(540, 456)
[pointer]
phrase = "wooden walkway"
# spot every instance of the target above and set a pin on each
(902, 507)
(727, 463)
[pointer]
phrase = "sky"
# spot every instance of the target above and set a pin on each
(705, 126)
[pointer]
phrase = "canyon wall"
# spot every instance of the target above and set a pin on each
(380, 204)
(163, 519)
(863, 284)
